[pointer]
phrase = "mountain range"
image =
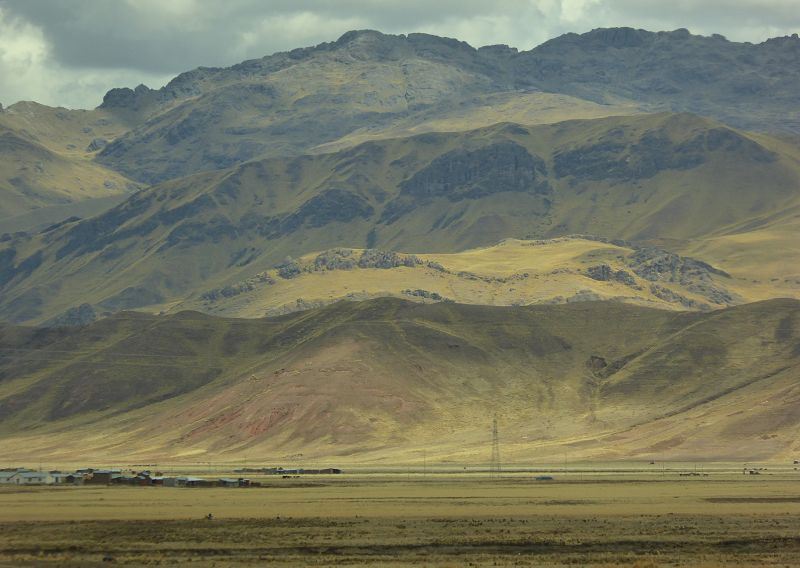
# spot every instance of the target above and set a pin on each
(616, 175)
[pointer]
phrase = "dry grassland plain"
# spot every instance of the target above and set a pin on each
(578, 518)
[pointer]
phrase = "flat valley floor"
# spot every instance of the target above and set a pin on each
(575, 519)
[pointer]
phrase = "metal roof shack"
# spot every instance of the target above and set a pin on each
(33, 478)
(231, 482)
(67, 478)
(103, 476)
(8, 477)
(188, 482)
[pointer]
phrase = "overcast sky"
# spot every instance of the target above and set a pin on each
(70, 52)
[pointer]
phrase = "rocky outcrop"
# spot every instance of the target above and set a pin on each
(657, 265)
(233, 290)
(289, 268)
(471, 174)
(125, 98)
(330, 206)
(335, 259)
(664, 293)
(613, 158)
(604, 273)
(97, 144)
(426, 295)
(373, 258)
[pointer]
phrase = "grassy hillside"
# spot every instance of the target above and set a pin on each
(46, 163)
(520, 107)
(513, 272)
(384, 380)
(671, 178)
(65, 131)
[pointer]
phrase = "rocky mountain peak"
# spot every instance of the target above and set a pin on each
(361, 37)
(616, 37)
(125, 97)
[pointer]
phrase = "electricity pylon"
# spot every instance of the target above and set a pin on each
(495, 465)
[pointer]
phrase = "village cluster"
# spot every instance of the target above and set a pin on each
(91, 476)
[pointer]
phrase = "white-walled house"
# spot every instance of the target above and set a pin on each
(25, 477)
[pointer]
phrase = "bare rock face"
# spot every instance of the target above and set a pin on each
(613, 157)
(97, 144)
(289, 268)
(335, 259)
(125, 97)
(329, 206)
(426, 295)
(471, 174)
(657, 265)
(372, 258)
(604, 273)
(461, 174)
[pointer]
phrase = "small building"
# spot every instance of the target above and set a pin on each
(103, 476)
(67, 478)
(22, 476)
(8, 477)
(170, 482)
(34, 478)
(188, 482)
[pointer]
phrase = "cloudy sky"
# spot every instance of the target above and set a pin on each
(70, 52)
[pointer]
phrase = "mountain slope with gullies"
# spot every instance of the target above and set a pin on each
(383, 380)
(368, 84)
(675, 178)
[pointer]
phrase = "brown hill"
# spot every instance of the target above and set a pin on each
(384, 380)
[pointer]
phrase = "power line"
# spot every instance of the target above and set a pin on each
(495, 464)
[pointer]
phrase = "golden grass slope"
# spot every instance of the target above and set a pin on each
(45, 161)
(64, 131)
(383, 381)
(513, 272)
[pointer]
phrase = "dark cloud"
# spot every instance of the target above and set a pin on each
(173, 35)
(70, 51)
